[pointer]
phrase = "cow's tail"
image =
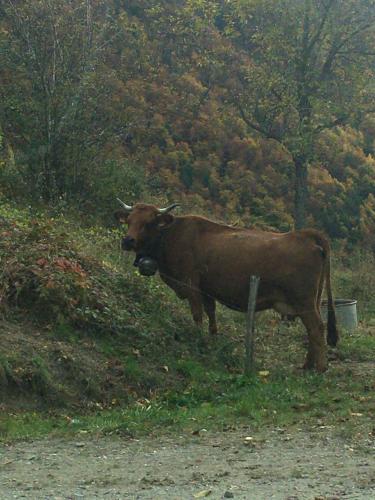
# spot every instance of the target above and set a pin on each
(332, 331)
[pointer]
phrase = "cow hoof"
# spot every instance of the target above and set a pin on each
(321, 368)
(307, 367)
(308, 364)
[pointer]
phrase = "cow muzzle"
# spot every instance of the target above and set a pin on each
(128, 243)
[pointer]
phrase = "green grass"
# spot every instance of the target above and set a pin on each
(275, 403)
(215, 399)
(359, 346)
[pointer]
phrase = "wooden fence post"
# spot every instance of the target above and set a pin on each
(249, 339)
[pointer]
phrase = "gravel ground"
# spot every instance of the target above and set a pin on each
(280, 464)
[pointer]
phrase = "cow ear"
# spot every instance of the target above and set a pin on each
(121, 216)
(164, 220)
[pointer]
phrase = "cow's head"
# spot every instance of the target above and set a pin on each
(145, 224)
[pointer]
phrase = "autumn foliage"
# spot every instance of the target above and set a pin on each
(156, 101)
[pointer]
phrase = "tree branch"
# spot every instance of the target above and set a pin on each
(342, 120)
(336, 47)
(268, 134)
(315, 38)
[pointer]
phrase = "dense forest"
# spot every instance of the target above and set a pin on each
(257, 112)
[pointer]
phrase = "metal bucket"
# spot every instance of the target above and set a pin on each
(346, 313)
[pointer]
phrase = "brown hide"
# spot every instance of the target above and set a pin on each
(204, 261)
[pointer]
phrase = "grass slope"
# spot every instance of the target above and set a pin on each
(86, 344)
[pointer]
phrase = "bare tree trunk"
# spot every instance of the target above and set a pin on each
(300, 192)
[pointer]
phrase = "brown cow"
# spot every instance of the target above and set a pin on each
(203, 261)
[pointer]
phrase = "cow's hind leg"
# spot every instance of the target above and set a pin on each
(210, 306)
(320, 290)
(317, 348)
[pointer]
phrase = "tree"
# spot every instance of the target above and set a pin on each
(304, 66)
(55, 65)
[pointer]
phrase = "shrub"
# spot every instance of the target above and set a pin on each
(45, 274)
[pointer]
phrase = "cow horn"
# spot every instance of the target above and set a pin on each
(126, 207)
(168, 209)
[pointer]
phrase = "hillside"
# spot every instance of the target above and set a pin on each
(81, 328)
(207, 103)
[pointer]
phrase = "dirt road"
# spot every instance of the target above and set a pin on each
(233, 464)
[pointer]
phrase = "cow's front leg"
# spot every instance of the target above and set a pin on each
(210, 306)
(196, 306)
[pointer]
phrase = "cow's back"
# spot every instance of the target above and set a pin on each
(287, 264)
(224, 258)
